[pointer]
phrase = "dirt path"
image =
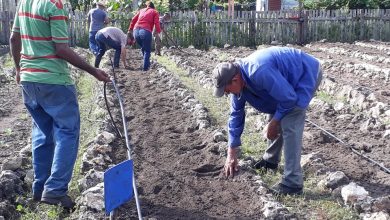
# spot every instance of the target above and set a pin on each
(15, 124)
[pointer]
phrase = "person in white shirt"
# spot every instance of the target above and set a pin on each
(115, 38)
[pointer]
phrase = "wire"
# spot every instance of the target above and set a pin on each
(350, 147)
(109, 112)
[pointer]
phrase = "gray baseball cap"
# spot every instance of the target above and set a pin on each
(223, 73)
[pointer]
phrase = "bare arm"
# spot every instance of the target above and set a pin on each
(15, 43)
(63, 51)
(106, 20)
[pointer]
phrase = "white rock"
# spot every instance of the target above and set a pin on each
(352, 193)
(376, 216)
(26, 151)
(219, 137)
(338, 106)
(105, 138)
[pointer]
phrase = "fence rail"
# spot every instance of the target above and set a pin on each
(249, 28)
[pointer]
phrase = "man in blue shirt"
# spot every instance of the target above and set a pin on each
(279, 81)
(97, 18)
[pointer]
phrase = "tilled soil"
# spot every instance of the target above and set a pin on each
(337, 59)
(15, 123)
(178, 167)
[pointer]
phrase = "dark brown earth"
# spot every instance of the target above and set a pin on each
(178, 167)
(335, 156)
(15, 123)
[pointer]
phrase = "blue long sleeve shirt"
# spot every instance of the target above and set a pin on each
(277, 79)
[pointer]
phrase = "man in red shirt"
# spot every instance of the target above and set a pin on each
(141, 28)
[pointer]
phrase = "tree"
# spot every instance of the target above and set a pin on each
(349, 4)
(162, 6)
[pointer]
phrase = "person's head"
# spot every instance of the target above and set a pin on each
(149, 4)
(227, 79)
(100, 4)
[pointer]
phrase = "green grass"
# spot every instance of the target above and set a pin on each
(223, 57)
(8, 62)
(316, 203)
(8, 131)
(321, 95)
(88, 128)
(40, 212)
(217, 106)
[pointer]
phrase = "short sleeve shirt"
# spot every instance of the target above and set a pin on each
(97, 17)
(115, 34)
(41, 24)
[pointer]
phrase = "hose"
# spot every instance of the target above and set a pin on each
(351, 148)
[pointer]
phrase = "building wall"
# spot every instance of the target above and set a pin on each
(274, 5)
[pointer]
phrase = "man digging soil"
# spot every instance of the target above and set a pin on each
(279, 81)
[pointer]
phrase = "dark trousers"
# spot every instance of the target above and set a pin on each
(144, 40)
(92, 42)
(104, 42)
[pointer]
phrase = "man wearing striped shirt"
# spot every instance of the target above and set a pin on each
(39, 46)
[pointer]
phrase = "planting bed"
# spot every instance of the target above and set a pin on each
(179, 156)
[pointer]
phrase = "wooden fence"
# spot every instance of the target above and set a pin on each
(6, 19)
(249, 28)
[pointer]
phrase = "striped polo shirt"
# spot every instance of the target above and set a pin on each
(41, 24)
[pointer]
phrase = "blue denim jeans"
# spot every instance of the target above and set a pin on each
(55, 135)
(92, 42)
(104, 42)
(144, 40)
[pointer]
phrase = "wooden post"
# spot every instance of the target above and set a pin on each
(231, 8)
(301, 19)
(6, 25)
(252, 29)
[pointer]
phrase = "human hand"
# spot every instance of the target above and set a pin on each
(130, 35)
(273, 129)
(231, 163)
(101, 75)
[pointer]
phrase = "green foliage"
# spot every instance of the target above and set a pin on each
(383, 3)
(215, 106)
(74, 4)
(175, 5)
(348, 4)
(162, 6)
(120, 12)
(83, 41)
